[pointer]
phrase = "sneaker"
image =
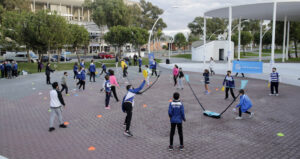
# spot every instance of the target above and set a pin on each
(238, 118)
(107, 108)
(171, 148)
(251, 115)
(63, 126)
(51, 129)
(128, 133)
(277, 94)
(270, 94)
(181, 147)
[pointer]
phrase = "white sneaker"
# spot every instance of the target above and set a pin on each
(238, 118)
(107, 108)
(270, 94)
(251, 115)
(277, 94)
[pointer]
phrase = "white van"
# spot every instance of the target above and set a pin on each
(20, 57)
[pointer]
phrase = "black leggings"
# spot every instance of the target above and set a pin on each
(240, 112)
(274, 85)
(82, 83)
(175, 80)
(64, 87)
(48, 79)
(103, 70)
(179, 127)
(75, 74)
(128, 110)
(125, 72)
(231, 91)
(113, 89)
(154, 71)
(92, 75)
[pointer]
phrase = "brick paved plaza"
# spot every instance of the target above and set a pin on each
(24, 122)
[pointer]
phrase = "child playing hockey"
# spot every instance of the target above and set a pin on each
(244, 105)
(229, 84)
(176, 114)
(64, 83)
(107, 87)
(56, 102)
(127, 105)
(180, 79)
(206, 80)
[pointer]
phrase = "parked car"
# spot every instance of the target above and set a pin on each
(46, 58)
(62, 58)
(105, 56)
(20, 56)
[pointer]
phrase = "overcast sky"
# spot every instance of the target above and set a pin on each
(177, 19)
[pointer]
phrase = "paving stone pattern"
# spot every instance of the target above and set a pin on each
(24, 121)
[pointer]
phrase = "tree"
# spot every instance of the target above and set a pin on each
(139, 37)
(295, 35)
(118, 36)
(79, 37)
(246, 38)
(109, 12)
(212, 25)
(15, 4)
(149, 15)
(180, 40)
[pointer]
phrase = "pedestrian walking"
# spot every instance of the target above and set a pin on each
(206, 80)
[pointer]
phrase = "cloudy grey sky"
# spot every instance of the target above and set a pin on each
(177, 19)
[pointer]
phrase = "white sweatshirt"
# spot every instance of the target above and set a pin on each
(54, 101)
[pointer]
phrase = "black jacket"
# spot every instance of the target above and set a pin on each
(48, 70)
(61, 99)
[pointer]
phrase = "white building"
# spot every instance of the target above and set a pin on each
(218, 50)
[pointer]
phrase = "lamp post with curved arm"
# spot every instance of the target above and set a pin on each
(150, 35)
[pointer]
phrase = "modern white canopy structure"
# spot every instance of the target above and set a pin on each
(276, 11)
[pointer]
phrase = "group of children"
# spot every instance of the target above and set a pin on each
(176, 108)
(9, 70)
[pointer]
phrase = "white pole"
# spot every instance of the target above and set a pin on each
(284, 37)
(239, 43)
(260, 39)
(34, 6)
(229, 38)
(151, 34)
(288, 41)
(204, 40)
(169, 48)
(273, 34)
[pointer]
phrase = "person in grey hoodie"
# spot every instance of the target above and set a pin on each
(64, 83)
(56, 102)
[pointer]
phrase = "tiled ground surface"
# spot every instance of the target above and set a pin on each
(24, 119)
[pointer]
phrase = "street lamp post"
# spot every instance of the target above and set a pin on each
(150, 35)
(170, 46)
